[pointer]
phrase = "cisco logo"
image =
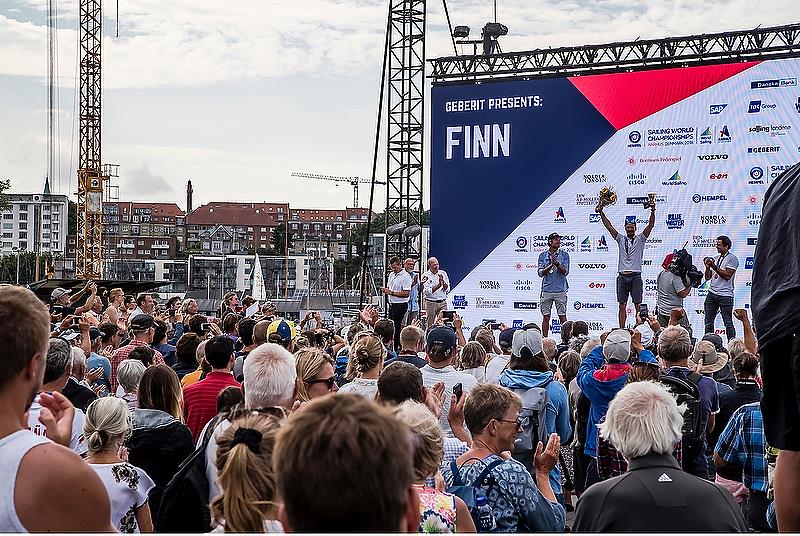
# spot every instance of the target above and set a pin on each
(637, 179)
(584, 305)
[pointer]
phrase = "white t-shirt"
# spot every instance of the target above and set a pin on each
(431, 280)
(76, 442)
(721, 286)
(495, 367)
(127, 488)
(398, 282)
(450, 377)
(630, 252)
(361, 386)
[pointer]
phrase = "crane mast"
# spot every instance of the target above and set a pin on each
(89, 258)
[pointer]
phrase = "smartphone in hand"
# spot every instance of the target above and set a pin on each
(458, 390)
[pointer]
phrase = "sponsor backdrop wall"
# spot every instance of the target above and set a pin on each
(514, 161)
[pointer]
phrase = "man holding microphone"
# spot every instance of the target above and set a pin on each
(436, 284)
(553, 269)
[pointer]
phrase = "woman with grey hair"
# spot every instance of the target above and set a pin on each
(129, 374)
(644, 423)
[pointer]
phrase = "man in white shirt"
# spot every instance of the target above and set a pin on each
(398, 288)
(629, 266)
(720, 294)
(436, 285)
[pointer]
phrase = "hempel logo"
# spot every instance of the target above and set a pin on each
(584, 305)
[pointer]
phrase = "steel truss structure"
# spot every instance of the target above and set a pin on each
(727, 47)
(89, 262)
(405, 137)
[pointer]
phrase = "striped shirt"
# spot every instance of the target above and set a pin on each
(121, 354)
(200, 400)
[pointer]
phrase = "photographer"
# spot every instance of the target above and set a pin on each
(672, 289)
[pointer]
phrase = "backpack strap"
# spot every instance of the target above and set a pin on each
(694, 377)
(485, 473)
(456, 475)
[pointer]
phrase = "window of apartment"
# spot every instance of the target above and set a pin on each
(135, 218)
(280, 217)
(8, 216)
(141, 252)
(23, 245)
(339, 235)
(6, 245)
(140, 243)
(305, 227)
(45, 216)
(55, 236)
(45, 226)
(23, 236)
(294, 226)
(23, 216)
(8, 235)
(8, 226)
(328, 227)
(23, 225)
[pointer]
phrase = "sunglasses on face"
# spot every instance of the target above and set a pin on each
(518, 422)
(327, 381)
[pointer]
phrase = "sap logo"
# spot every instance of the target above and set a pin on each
(560, 217)
(516, 323)
(490, 285)
(697, 198)
(637, 179)
(594, 218)
(756, 175)
(724, 135)
(460, 302)
(716, 109)
(754, 218)
(764, 149)
(675, 221)
(486, 141)
(525, 305)
(586, 245)
(635, 139)
(752, 241)
(748, 263)
(700, 311)
(594, 178)
(584, 305)
(712, 157)
(752, 199)
(674, 180)
(778, 82)
(591, 266)
(775, 171)
(602, 245)
(706, 136)
(756, 106)
(718, 176)
(597, 285)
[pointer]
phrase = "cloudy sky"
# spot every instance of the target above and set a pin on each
(238, 94)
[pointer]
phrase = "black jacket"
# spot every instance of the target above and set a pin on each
(79, 395)
(655, 495)
(182, 369)
(158, 445)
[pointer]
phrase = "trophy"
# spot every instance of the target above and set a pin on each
(651, 200)
(607, 197)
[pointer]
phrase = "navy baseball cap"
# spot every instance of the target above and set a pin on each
(442, 335)
(506, 338)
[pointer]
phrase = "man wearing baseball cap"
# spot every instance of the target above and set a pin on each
(442, 347)
(499, 362)
(63, 303)
(282, 332)
(601, 375)
(142, 327)
(553, 269)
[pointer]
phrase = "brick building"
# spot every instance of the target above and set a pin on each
(221, 228)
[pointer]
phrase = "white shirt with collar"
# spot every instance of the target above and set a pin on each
(431, 280)
(398, 282)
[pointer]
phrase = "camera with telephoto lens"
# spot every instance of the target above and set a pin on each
(682, 266)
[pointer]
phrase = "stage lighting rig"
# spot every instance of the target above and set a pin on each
(489, 35)
(461, 32)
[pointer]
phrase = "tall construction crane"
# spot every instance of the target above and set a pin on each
(354, 181)
(89, 254)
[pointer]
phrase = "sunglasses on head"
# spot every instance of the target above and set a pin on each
(327, 381)
(239, 411)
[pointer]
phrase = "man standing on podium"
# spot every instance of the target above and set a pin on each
(553, 269)
(629, 266)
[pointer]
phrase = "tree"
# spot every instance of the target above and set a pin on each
(5, 202)
(278, 239)
(72, 218)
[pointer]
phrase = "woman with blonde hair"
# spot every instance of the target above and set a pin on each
(106, 427)
(365, 364)
(439, 511)
(116, 299)
(472, 360)
(248, 500)
(315, 372)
